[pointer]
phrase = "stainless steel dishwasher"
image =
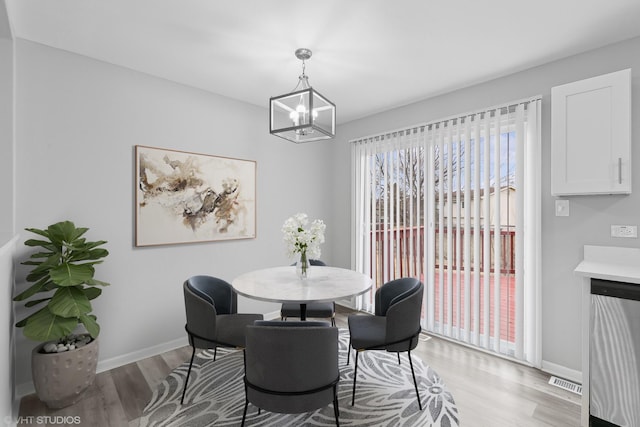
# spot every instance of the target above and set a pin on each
(614, 358)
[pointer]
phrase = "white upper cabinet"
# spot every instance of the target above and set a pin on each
(591, 136)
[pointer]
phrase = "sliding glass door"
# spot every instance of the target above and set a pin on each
(445, 202)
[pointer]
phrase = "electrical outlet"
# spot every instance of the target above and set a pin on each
(630, 231)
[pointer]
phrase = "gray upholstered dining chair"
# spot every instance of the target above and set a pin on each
(213, 320)
(302, 379)
(395, 327)
(314, 309)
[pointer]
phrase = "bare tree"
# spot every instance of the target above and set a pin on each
(406, 177)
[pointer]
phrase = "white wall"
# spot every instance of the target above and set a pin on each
(7, 240)
(563, 237)
(6, 135)
(77, 123)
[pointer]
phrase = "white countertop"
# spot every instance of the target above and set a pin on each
(610, 263)
(281, 284)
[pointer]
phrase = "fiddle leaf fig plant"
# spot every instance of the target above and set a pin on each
(63, 282)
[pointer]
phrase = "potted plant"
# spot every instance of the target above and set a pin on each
(64, 365)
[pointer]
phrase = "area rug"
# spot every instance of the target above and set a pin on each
(385, 395)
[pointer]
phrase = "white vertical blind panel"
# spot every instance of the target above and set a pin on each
(360, 239)
(421, 229)
(387, 195)
(441, 248)
(430, 241)
(486, 250)
(409, 213)
(457, 216)
(413, 201)
(394, 246)
(363, 201)
(449, 229)
(532, 241)
(476, 228)
(418, 216)
(421, 246)
(372, 227)
(496, 236)
(367, 208)
(371, 220)
(467, 229)
(519, 243)
(410, 161)
(356, 205)
(382, 219)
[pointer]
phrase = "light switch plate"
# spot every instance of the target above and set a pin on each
(562, 207)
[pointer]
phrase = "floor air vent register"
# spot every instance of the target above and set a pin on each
(566, 385)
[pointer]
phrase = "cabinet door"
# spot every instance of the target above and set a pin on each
(591, 136)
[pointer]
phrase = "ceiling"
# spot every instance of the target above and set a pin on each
(368, 55)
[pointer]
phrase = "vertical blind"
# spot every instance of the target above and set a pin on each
(455, 203)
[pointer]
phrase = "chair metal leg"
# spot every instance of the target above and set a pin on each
(355, 374)
(398, 353)
(348, 351)
(215, 353)
(246, 404)
(414, 380)
(336, 410)
(186, 380)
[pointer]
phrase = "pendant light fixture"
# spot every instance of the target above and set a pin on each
(303, 115)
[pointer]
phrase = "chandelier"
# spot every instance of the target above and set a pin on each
(303, 115)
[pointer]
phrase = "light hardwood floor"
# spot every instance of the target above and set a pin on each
(489, 391)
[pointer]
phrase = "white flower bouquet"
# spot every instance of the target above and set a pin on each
(303, 237)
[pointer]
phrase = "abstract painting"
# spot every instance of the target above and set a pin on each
(184, 197)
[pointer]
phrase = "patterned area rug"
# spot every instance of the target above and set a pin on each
(385, 395)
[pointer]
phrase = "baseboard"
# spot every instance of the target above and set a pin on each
(115, 362)
(562, 371)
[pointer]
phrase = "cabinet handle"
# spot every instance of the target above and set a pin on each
(619, 170)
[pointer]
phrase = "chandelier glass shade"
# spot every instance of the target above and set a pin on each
(303, 115)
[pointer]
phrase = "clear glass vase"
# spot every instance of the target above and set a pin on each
(302, 266)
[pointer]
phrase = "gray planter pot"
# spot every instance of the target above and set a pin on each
(61, 379)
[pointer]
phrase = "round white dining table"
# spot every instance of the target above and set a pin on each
(281, 284)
